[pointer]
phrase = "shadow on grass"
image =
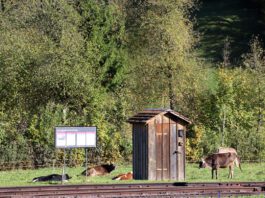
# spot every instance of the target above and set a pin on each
(218, 20)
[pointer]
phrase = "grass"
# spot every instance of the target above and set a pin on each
(24, 177)
(251, 172)
(218, 20)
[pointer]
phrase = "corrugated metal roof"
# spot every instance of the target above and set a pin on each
(147, 114)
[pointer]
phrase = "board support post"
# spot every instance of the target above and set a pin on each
(86, 162)
(63, 174)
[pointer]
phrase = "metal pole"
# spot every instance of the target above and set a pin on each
(63, 165)
(86, 163)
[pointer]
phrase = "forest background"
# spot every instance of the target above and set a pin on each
(96, 63)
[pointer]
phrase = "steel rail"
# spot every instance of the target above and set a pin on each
(137, 189)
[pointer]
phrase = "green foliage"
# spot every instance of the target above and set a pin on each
(13, 145)
(232, 118)
(254, 61)
(95, 63)
(41, 132)
(194, 149)
(160, 41)
(103, 28)
(58, 62)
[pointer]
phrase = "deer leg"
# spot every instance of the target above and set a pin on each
(232, 172)
(212, 172)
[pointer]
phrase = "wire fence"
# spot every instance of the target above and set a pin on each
(241, 161)
(14, 165)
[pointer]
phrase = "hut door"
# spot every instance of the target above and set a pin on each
(180, 154)
(177, 151)
(162, 151)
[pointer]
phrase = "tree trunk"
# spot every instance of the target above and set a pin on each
(2, 6)
(223, 126)
(171, 93)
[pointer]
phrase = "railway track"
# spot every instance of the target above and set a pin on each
(178, 189)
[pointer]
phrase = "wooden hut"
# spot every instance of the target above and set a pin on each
(159, 144)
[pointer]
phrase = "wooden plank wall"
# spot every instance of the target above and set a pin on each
(184, 156)
(166, 148)
(146, 151)
(152, 151)
(181, 156)
(173, 148)
(140, 151)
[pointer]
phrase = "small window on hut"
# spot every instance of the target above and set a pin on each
(180, 133)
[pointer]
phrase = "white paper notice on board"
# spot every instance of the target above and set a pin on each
(75, 137)
(81, 139)
(61, 139)
(70, 139)
(90, 139)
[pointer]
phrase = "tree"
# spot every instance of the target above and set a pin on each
(160, 40)
(102, 26)
(254, 61)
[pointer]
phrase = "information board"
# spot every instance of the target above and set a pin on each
(75, 137)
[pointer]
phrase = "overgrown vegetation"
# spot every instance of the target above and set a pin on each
(84, 63)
